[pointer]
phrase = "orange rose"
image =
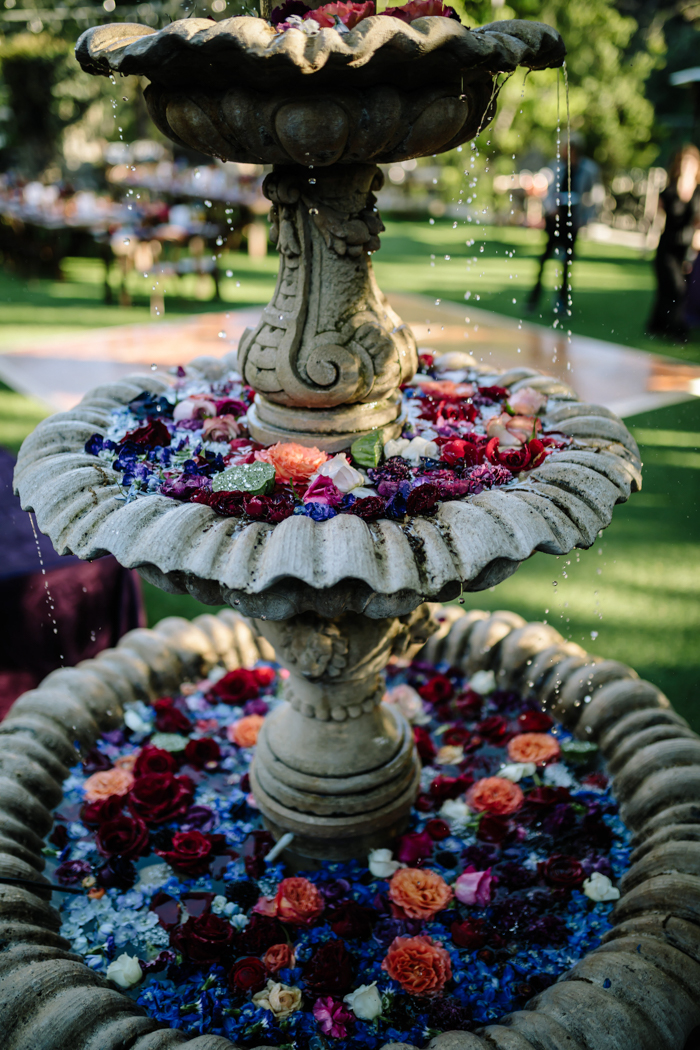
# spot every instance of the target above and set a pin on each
(279, 957)
(109, 782)
(292, 462)
(419, 892)
(539, 748)
(298, 901)
(419, 964)
(245, 731)
(495, 795)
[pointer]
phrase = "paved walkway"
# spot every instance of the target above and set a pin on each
(60, 370)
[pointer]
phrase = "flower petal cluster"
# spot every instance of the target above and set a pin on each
(420, 965)
(419, 893)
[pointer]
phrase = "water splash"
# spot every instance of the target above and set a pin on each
(49, 597)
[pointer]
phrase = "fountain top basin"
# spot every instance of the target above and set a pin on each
(380, 50)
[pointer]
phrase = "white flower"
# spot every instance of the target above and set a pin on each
(454, 811)
(557, 775)
(395, 447)
(599, 888)
(134, 720)
(449, 755)
(517, 770)
(382, 864)
(125, 971)
(409, 703)
(344, 477)
(483, 682)
(153, 875)
(365, 1002)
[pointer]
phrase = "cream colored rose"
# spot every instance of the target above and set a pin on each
(281, 1000)
(599, 888)
(382, 864)
(342, 474)
(125, 971)
(515, 771)
(409, 703)
(497, 428)
(483, 682)
(365, 1002)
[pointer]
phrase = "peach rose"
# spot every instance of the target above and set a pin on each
(495, 795)
(539, 748)
(108, 782)
(220, 428)
(419, 892)
(444, 387)
(497, 428)
(279, 957)
(419, 964)
(292, 462)
(297, 901)
(523, 427)
(245, 731)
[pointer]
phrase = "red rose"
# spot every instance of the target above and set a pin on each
(424, 745)
(273, 508)
(159, 797)
(369, 508)
(351, 920)
(247, 975)
(548, 796)
(470, 934)
(534, 722)
(437, 689)
(453, 451)
(438, 829)
(515, 459)
(204, 941)
(151, 435)
(561, 870)
(169, 719)
(413, 847)
(236, 687)
(330, 970)
(456, 735)
(260, 934)
(124, 837)
(443, 788)
(493, 829)
(103, 809)
(469, 705)
(202, 752)
(154, 760)
(494, 393)
(494, 729)
(192, 852)
(264, 676)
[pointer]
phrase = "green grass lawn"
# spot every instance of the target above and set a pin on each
(613, 287)
(634, 595)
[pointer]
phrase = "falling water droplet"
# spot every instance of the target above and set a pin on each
(222, 334)
(153, 368)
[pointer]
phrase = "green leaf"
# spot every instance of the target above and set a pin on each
(578, 750)
(255, 478)
(368, 450)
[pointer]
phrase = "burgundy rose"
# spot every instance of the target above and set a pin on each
(125, 836)
(118, 873)
(72, 871)
(547, 796)
(438, 829)
(169, 719)
(493, 829)
(562, 870)
(202, 752)
(226, 504)
(330, 970)
(103, 809)
(470, 934)
(534, 722)
(227, 406)
(443, 788)
(469, 705)
(154, 760)
(191, 853)
(424, 745)
(422, 498)
(260, 934)
(416, 846)
(437, 689)
(160, 797)
(204, 941)
(151, 435)
(247, 975)
(351, 920)
(457, 736)
(494, 729)
(493, 393)
(369, 508)
(236, 687)
(59, 837)
(273, 508)
(95, 762)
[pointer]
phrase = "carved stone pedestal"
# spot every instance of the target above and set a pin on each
(329, 354)
(335, 766)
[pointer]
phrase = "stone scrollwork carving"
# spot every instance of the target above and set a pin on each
(328, 338)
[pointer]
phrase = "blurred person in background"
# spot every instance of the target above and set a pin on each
(680, 202)
(562, 229)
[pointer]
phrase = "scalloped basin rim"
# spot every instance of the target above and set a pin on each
(200, 48)
(381, 569)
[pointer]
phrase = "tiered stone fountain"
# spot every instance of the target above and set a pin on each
(337, 599)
